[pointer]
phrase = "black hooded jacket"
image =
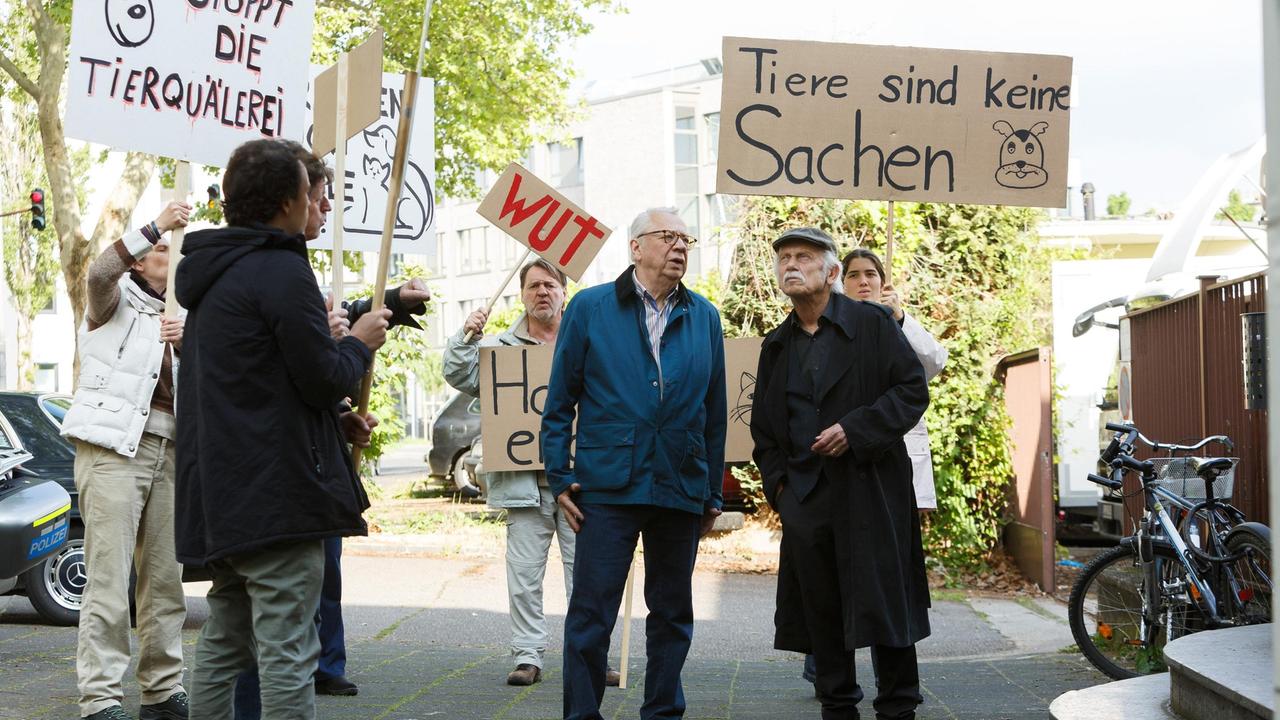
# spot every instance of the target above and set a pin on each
(260, 460)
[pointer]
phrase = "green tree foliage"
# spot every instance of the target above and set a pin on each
(1237, 209)
(979, 279)
(1118, 204)
(500, 77)
(403, 355)
(30, 258)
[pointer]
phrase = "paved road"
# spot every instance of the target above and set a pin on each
(427, 639)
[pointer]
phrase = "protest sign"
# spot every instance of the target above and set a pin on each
(360, 100)
(188, 79)
(369, 157)
(835, 120)
(741, 357)
(533, 213)
(513, 388)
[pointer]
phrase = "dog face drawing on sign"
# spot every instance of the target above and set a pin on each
(130, 22)
(741, 411)
(1021, 156)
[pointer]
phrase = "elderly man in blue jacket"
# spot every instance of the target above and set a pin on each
(640, 364)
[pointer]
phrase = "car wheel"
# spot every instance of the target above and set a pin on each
(462, 479)
(55, 587)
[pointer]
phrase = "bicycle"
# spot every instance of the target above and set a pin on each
(1211, 569)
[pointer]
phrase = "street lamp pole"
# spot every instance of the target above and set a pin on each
(1271, 104)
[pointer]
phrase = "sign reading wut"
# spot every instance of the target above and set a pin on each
(533, 213)
(893, 123)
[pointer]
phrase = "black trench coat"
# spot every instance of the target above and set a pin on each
(875, 388)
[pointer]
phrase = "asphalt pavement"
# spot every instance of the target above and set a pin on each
(427, 638)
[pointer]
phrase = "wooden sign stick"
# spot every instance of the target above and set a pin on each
(498, 293)
(888, 249)
(181, 189)
(626, 624)
(405, 129)
(339, 178)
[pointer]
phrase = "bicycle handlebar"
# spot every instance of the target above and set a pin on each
(1134, 433)
(1105, 481)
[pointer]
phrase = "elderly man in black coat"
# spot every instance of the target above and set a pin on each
(837, 388)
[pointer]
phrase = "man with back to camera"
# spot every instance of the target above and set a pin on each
(123, 426)
(639, 364)
(838, 386)
(404, 302)
(263, 477)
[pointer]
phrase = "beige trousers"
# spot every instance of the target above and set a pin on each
(127, 508)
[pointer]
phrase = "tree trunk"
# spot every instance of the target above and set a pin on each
(26, 368)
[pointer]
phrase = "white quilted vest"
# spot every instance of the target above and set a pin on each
(119, 367)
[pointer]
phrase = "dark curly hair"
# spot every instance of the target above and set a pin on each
(317, 171)
(261, 176)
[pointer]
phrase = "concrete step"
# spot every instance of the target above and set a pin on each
(1142, 698)
(1222, 674)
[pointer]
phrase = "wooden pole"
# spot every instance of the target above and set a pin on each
(181, 189)
(888, 248)
(626, 625)
(405, 128)
(340, 177)
(498, 293)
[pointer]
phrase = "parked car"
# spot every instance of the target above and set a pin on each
(56, 585)
(453, 431)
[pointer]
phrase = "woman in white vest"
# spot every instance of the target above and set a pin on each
(864, 280)
(122, 422)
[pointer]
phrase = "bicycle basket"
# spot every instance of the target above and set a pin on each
(1178, 476)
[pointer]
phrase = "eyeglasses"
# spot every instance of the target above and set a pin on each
(670, 236)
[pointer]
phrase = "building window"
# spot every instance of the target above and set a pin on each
(51, 307)
(46, 377)
(712, 121)
(505, 249)
(565, 161)
(435, 257)
(686, 167)
(473, 256)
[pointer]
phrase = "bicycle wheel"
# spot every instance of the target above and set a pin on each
(1110, 620)
(1252, 577)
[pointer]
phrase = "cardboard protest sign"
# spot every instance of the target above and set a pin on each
(741, 357)
(835, 120)
(513, 387)
(363, 95)
(188, 79)
(533, 213)
(369, 156)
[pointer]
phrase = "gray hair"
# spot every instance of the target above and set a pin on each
(644, 220)
(829, 260)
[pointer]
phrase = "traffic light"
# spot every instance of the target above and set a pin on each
(37, 209)
(215, 194)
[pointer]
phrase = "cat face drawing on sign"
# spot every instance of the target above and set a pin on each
(741, 411)
(367, 189)
(130, 22)
(1021, 156)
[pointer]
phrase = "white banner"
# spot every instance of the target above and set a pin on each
(369, 155)
(188, 79)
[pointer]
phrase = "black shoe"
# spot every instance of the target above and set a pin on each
(336, 686)
(115, 712)
(175, 708)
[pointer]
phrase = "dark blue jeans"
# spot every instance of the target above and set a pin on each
(606, 545)
(333, 644)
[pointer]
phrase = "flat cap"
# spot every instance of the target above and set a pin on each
(810, 235)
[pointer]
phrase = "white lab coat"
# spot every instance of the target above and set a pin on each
(933, 356)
